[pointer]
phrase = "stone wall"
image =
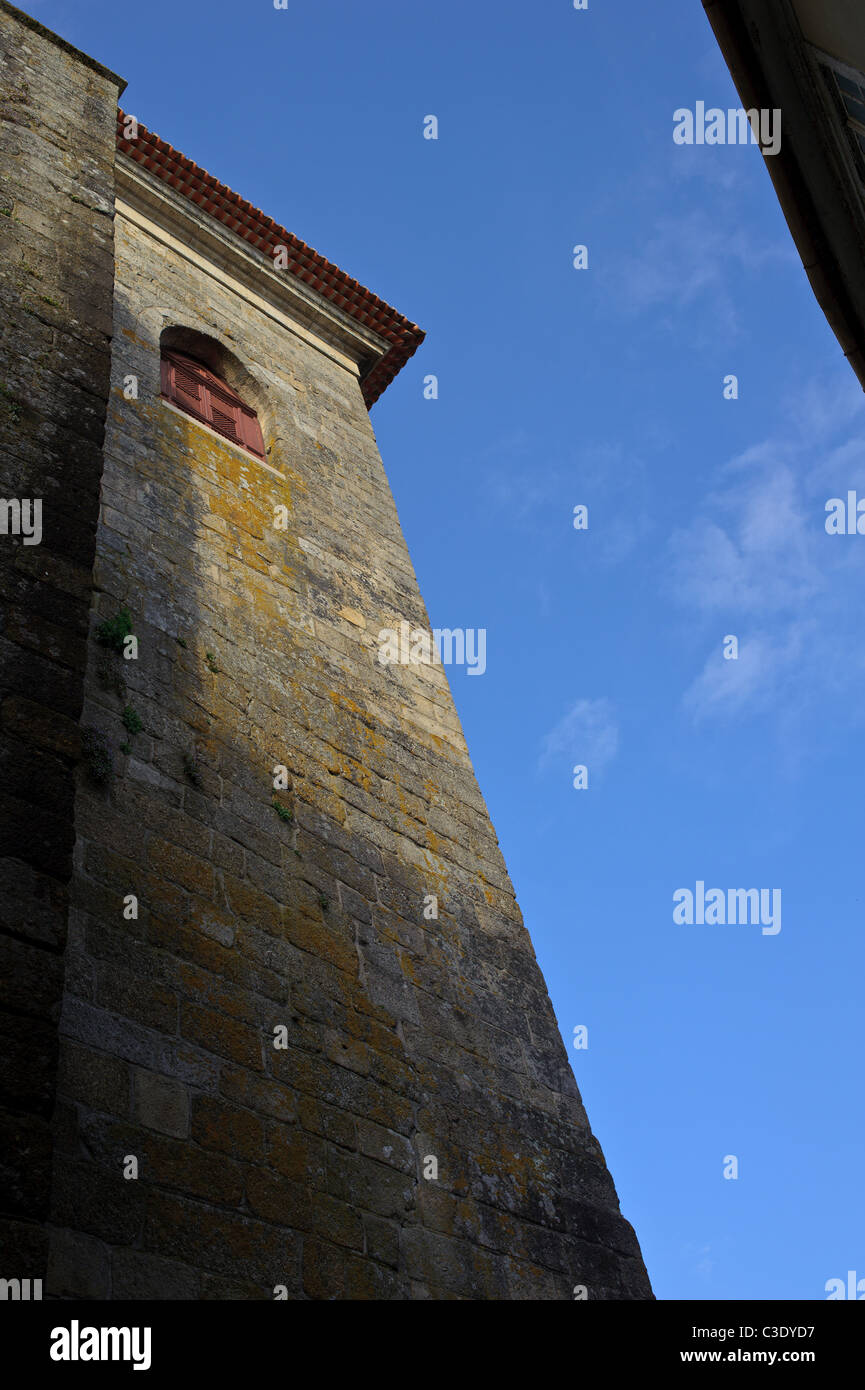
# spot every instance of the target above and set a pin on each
(408, 1036)
(56, 274)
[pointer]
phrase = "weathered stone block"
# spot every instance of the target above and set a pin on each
(161, 1103)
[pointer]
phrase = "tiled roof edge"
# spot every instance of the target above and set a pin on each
(248, 222)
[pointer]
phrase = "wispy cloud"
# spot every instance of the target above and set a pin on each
(587, 734)
(764, 675)
(689, 257)
(758, 564)
(760, 550)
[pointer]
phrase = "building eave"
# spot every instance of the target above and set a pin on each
(813, 174)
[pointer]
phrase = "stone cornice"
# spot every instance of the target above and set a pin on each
(190, 233)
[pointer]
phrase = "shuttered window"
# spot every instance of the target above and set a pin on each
(199, 392)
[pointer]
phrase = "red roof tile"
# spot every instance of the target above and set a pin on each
(266, 235)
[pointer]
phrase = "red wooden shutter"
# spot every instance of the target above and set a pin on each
(201, 393)
(250, 431)
(188, 387)
(224, 411)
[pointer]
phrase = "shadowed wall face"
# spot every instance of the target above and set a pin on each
(56, 282)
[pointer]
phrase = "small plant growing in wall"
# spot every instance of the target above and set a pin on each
(113, 632)
(132, 721)
(323, 902)
(8, 405)
(181, 642)
(284, 812)
(211, 663)
(97, 755)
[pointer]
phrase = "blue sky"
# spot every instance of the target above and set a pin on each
(603, 387)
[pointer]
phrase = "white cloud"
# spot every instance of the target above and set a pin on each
(587, 734)
(758, 564)
(686, 258)
(764, 673)
(762, 548)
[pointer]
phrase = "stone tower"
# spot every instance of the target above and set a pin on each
(283, 1027)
